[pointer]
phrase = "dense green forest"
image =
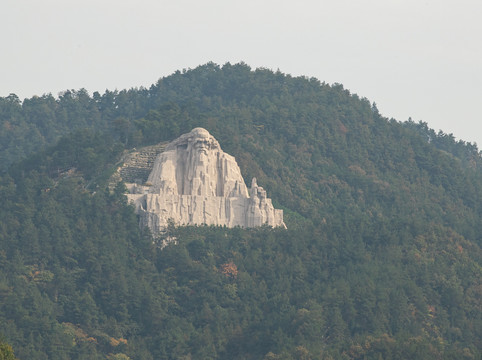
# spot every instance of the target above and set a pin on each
(381, 258)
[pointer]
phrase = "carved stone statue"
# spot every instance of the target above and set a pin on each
(194, 182)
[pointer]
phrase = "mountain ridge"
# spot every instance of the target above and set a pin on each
(381, 257)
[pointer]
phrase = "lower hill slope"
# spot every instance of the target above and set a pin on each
(381, 258)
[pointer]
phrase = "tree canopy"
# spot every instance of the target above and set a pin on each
(381, 258)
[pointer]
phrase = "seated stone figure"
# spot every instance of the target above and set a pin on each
(194, 182)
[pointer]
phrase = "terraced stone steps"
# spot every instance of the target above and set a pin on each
(137, 165)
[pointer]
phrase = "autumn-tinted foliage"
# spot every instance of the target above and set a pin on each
(381, 258)
(6, 352)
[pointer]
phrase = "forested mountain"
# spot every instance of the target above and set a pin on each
(381, 258)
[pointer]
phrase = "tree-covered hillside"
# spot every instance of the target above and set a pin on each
(381, 258)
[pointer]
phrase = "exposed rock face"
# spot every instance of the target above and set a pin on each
(194, 182)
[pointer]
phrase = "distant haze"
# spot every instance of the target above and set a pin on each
(419, 59)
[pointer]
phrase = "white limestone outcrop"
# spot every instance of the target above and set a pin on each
(194, 182)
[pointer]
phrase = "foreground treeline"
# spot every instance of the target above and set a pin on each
(381, 258)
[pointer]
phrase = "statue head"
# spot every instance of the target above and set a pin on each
(199, 140)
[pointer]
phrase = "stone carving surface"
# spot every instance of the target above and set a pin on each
(194, 182)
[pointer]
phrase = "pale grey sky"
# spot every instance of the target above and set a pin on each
(418, 58)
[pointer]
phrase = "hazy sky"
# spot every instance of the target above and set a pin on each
(417, 58)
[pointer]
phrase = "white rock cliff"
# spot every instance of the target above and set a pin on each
(194, 182)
